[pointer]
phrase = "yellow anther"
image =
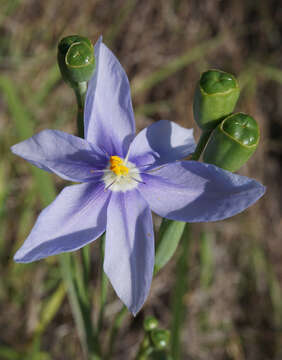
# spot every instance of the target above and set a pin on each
(117, 166)
(115, 159)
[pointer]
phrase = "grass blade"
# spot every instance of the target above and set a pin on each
(51, 307)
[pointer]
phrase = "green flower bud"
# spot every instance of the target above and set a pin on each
(150, 323)
(233, 142)
(76, 59)
(160, 338)
(215, 97)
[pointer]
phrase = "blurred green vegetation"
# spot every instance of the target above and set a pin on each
(232, 294)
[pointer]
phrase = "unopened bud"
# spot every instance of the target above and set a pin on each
(215, 97)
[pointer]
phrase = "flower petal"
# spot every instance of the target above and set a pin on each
(192, 191)
(75, 218)
(129, 251)
(166, 141)
(108, 117)
(66, 155)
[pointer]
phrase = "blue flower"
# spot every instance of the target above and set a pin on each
(122, 179)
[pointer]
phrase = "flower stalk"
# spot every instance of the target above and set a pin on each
(77, 63)
(104, 287)
(80, 93)
(201, 144)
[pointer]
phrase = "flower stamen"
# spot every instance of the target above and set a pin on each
(118, 166)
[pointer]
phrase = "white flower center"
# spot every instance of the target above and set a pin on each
(121, 175)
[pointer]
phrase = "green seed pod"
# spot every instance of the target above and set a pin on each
(150, 323)
(160, 338)
(215, 97)
(233, 142)
(76, 59)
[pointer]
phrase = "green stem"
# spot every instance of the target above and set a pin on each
(206, 259)
(80, 287)
(182, 267)
(178, 309)
(85, 257)
(201, 144)
(206, 274)
(114, 331)
(145, 349)
(80, 93)
(104, 288)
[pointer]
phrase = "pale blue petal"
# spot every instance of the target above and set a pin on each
(108, 117)
(129, 251)
(193, 192)
(165, 141)
(68, 156)
(75, 218)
